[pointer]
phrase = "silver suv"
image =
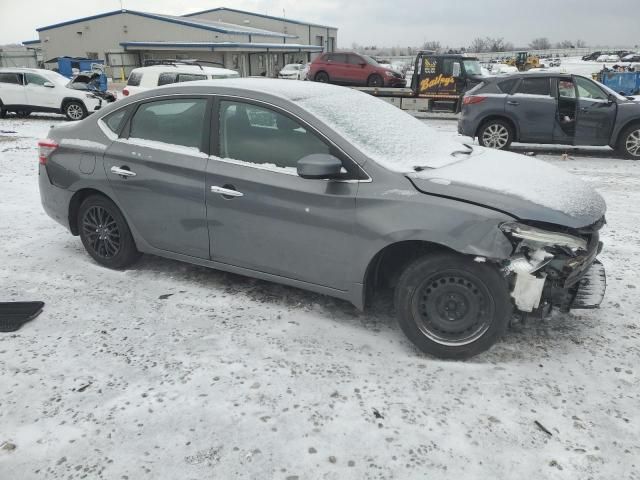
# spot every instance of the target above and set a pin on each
(331, 190)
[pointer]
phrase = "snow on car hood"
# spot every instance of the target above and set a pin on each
(524, 187)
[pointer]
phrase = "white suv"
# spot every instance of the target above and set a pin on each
(26, 90)
(144, 78)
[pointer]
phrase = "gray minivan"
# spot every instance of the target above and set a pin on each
(550, 108)
(332, 190)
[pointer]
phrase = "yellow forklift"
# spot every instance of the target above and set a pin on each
(523, 61)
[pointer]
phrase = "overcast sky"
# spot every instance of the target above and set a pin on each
(379, 22)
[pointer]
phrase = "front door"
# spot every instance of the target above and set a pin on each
(596, 115)
(38, 95)
(264, 217)
(157, 171)
(533, 108)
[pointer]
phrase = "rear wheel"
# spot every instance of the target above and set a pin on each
(452, 307)
(375, 81)
(75, 110)
(496, 134)
(105, 234)
(322, 77)
(629, 143)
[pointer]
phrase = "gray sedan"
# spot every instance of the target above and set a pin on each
(550, 108)
(331, 190)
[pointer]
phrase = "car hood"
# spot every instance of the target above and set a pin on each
(523, 187)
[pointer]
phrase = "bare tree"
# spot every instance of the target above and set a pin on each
(580, 43)
(541, 43)
(478, 45)
(432, 45)
(564, 44)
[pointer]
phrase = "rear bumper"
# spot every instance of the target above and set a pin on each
(55, 200)
(466, 127)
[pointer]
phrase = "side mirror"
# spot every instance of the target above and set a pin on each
(456, 70)
(48, 85)
(362, 64)
(319, 166)
(611, 99)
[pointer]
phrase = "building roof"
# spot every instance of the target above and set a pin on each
(200, 23)
(171, 45)
(31, 42)
(244, 12)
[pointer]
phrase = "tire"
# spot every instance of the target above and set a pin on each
(321, 77)
(452, 307)
(496, 134)
(23, 113)
(75, 110)
(629, 142)
(375, 81)
(113, 246)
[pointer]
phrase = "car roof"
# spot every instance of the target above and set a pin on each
(25, 70)
(253, 86)
(530, 74)
(184, 68)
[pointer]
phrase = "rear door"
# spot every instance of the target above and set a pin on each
(533, 108)
(38, 95)
(264, 217)
(12, 89)
(595, 115)
(337, 68)
(157, 171)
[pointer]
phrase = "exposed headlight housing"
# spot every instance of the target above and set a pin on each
(540, 237)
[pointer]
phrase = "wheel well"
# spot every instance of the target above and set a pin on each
(387, 265)
(74, 206)
(511, 123)
(630, 123)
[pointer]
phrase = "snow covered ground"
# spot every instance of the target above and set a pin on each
(171, 371)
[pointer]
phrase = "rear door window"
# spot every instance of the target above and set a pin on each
(338, 58)
(176, 122)
(167, 78)
(9, 77)
(534, 86)
(188, 77)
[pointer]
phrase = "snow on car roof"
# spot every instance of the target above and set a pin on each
(386, 134)
(185, 68)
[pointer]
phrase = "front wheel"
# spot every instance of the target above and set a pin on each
(629, 143)
(75, 111)
(375, 81)
(496, 134)
(452, 307)
(105, 234)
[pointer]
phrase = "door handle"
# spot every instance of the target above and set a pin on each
(513, 102)
(226, 192)
(123, 171)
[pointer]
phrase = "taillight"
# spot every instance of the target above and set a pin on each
(125, 92)
(471, 99)
(45, 149)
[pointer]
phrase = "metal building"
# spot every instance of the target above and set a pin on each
(250, 43)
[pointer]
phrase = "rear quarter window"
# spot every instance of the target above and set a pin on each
(167, 78)
(534, 86)
(134, 79)
(114, 120)
(506, 86)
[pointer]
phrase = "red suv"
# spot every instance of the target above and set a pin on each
(353, 69)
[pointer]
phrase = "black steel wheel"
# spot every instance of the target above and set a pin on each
(452, 307)
(375, 80)
(105, 233)
(322, 77)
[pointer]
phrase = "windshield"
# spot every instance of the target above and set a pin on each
(292, 66)
(386, 134)
(370, 60)
(472, 67)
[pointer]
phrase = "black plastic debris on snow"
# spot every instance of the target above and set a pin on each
(14, 315)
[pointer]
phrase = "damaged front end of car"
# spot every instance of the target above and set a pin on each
(550, 268)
